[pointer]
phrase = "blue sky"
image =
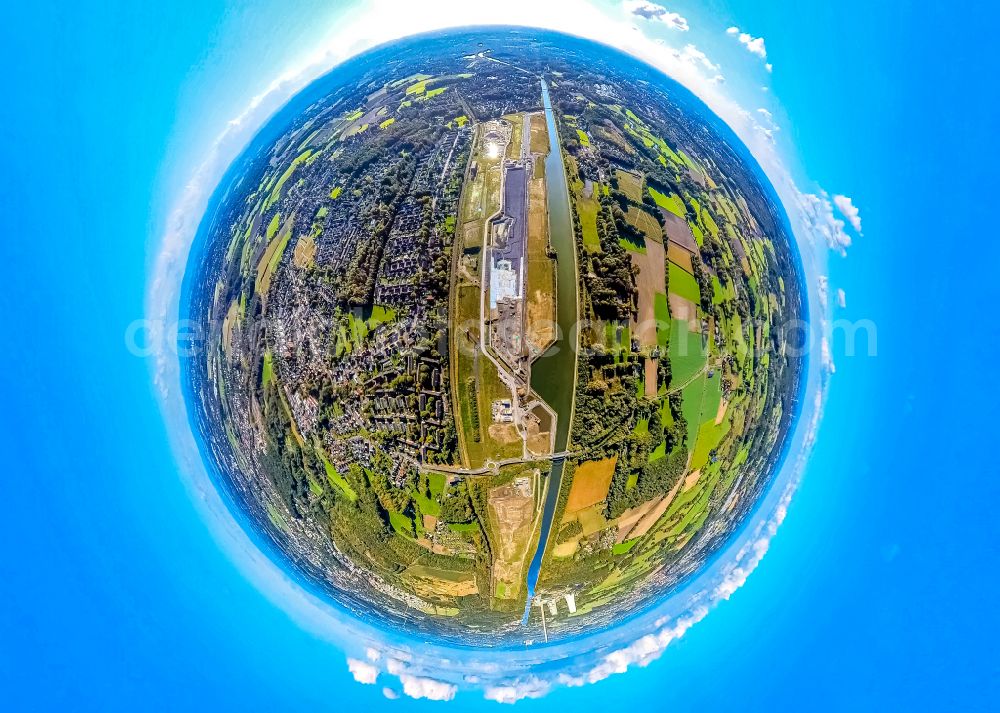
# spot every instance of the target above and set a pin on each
(876, 593)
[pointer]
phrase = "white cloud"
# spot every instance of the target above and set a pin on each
(847, 209)
(652, 11)
(754, 45)
(816, 215)
(429, 688)
(514, 691)
(694, 58)
(390, 693)
(363, 671)
(826, 356)
(841, 299)
(421, 686)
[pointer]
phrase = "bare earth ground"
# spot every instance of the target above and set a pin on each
(512, 510)
(721, 413)
(504, 433)
(539, 439)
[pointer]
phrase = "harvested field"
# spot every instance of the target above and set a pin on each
(541, 277)
(678, 231)
(691, 480)
(643, 221)
(436, 583)
(650, 377)
(272, 256)
(679, 256)
(567, 549)
(305, 251)
(630, 184)
(591, 481)
(650, 281)
(591, 519)
(539, 134)
(631, 517)
(684, 310)
(649, 519)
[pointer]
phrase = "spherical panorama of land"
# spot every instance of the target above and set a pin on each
(495, 348)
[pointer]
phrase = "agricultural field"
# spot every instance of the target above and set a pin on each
(630, 184)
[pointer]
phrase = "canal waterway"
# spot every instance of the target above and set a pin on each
(553, 375)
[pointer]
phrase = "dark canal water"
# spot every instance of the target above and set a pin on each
(553, 374)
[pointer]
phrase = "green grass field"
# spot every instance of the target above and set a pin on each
(587, 210)
(272, 227)
(427, 505)
(623, 547)
(401, 524)
(336, 478)
(661, 313)
(636, 247)
(691, 400)
(687, 355)
(436, 483)
(276, 191)
(674, 203)
(267, 372)
(683, 284)
(709, 436)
